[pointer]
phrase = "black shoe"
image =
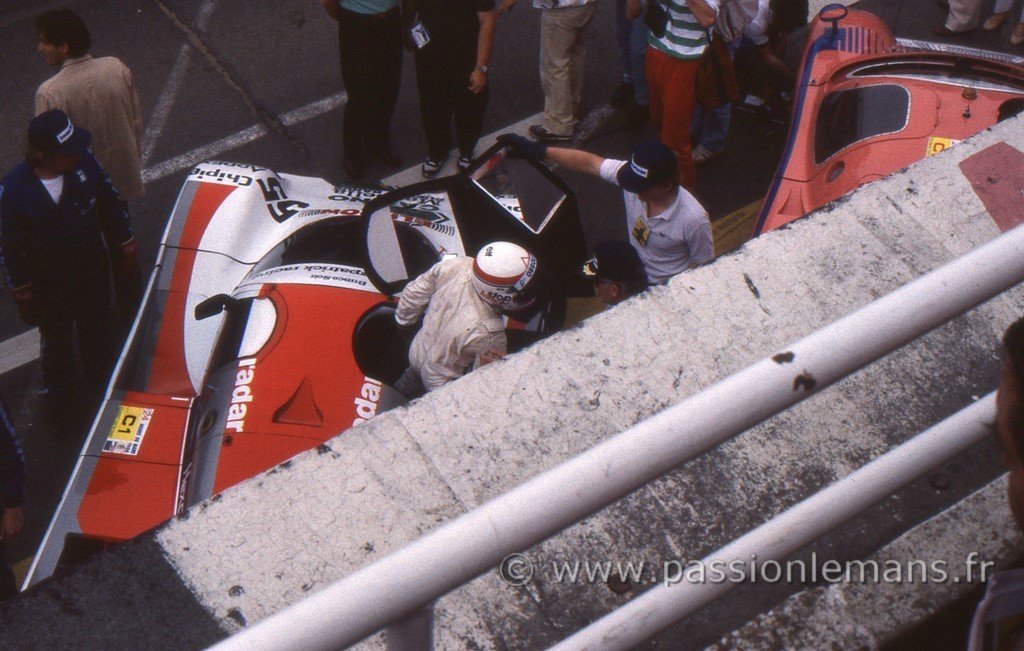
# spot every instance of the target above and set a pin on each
(388, 156)
(353, 169)
(431, 167)
(540, 133)
(623, 95)
(947, 32)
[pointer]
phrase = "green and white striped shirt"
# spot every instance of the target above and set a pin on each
(684, 37)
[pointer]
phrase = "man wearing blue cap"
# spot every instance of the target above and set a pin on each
(667, 225)
(59, 217)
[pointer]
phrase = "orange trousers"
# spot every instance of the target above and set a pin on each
(672, 84)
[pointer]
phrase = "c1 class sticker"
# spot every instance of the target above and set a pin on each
(128, 431)
(935, 145)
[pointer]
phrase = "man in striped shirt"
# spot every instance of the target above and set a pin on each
(671, 68)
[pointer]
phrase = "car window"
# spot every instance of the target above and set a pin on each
(396, 238)
(326, 242)
(849, 116)
(519, 188)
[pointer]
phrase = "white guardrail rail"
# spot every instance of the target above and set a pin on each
(397, 591)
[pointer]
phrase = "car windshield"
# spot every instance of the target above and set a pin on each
(326, 242)
(849, 116)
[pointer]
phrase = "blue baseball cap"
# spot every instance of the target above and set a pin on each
(52, 131)
(652, 164)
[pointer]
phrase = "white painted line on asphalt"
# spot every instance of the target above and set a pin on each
(243, 137)
(19, 350)
(173, 86)
(164, 104)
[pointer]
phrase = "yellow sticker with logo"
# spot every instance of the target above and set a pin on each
(128, 430)
(641, 231)
(935, 145)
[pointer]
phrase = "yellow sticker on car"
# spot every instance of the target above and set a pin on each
(128, 430)
(935, 145)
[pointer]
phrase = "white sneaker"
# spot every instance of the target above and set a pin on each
(702, 154)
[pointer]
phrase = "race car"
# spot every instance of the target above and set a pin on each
(267, 328)
(868, 104)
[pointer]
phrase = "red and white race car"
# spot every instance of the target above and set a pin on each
(868, 104)
(267, 328)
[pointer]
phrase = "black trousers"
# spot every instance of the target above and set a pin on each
(370, 49)
(8, 583)
(74, 299)
(442, 74)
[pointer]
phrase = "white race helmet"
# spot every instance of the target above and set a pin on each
(501, 271)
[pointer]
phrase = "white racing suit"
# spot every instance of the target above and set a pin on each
(458, 327)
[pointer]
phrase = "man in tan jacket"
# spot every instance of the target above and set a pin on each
(97, 94)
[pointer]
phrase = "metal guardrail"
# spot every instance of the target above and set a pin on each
(410, 579)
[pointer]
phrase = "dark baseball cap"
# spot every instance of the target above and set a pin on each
(52, 131)
(616, 260)
(652, 164)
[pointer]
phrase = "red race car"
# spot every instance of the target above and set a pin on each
(868, 104)
(267, 328)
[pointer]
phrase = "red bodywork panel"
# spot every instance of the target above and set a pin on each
(942, 110)
(136, 489)
(292, 412)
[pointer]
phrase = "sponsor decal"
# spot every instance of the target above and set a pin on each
(426, 211)
(935, 145)
(637, 169)
(186, 474)
(68, 131)
(366, 403)
(330, 212)
(244, 166)
(241, 395)
(128, 430)
(333, 275)
(218, 175)
(360, 195)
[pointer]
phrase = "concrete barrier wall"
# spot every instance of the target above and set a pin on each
(270, 541)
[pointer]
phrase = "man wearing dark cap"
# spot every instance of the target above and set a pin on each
(667, 226)
(617, 271)
(59, 217)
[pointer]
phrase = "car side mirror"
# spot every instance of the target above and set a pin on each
(214, 306)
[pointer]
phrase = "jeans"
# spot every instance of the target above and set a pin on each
(631, 37)
(710, 127)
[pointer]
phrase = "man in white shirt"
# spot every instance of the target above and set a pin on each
(667, 225)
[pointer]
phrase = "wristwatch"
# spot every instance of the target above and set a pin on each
(483, 69)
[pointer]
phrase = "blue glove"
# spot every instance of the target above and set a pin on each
(520, 147)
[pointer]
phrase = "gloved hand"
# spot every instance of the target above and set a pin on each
(521, 147)
(27, 309)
